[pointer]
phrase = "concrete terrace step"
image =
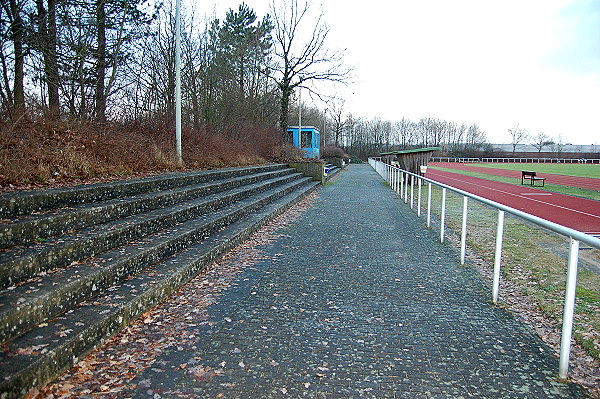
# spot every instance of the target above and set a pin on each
(35, 227)
(37, 357)
(22, 263)
(19, 203)
(64, 296)
(30, 304)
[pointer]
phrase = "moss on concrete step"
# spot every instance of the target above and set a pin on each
(88, 325)
(36, 227)
(28, 305)
(22, 264)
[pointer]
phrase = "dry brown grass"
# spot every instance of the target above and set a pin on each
(42, 153)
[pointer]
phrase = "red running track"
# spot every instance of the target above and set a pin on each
(589, 183)
(576, 213)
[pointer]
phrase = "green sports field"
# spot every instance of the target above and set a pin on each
(569, 169)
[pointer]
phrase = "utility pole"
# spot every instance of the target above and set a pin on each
(300, 116)
(178, 79)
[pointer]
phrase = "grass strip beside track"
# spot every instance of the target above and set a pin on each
(555, 188)
(535, 260)
(567, 169)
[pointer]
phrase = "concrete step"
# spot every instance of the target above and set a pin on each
(22, 263)
(38, 227)
(26, 202)
(29, 304)
(38, 356)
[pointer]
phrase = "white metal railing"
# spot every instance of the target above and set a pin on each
(517, 160)
(541, 160)
(454, 159)
(399, 181)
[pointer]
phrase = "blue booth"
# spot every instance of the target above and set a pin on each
(308, 140)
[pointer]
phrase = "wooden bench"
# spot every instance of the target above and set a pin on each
(532, 178)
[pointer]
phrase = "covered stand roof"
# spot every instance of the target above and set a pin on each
(410, 160)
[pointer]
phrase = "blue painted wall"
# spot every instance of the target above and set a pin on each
(311, 147)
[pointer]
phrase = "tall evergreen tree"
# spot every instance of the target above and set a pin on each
(241, 47)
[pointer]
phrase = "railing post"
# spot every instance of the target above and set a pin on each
(419, 200)
(402, 184)
(443, 218)
(569, 309)
(463, 236)
(406, 189)
(412, 190)
(428, 204)
(498, 256)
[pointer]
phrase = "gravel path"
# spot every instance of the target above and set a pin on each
(352, 298)
(355, 298)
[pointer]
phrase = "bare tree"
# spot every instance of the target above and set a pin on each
(405, 131)
(517, 136)
(5, 59)
(13, 10)
(46, 43)
(301, 62)
(476, 138)
(338, 123)
(541, 140)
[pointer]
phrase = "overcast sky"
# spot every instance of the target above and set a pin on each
(494, 63)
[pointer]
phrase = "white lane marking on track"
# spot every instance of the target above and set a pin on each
(535, 194)
(520, 196)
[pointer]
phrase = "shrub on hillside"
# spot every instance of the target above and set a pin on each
(59, 152)
(331, 151)
(286, 153)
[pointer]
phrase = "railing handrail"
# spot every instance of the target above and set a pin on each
(399, 182)
(557, 228)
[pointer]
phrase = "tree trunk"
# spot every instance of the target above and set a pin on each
(286, 93)
(17, 36)
(47, 43)
(100, 97)
(52, 65)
